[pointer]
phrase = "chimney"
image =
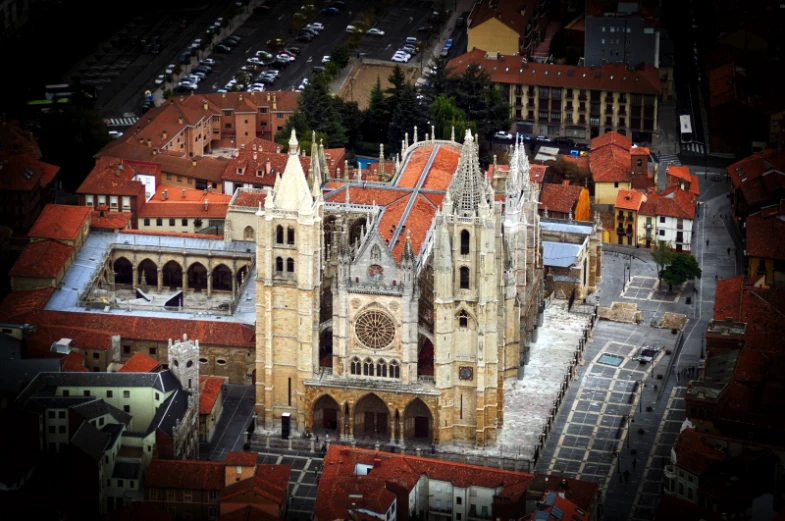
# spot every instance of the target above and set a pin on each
(240, 98)
(223, 94)
(148, 119)
(205, 204)
(183, 193)
(253, 147)
(254, 153)
(164, 195)
(205, 105)
(377, 462)
(267, 167)
(180, 120)
(163, 134)
(149, 142)
(155, 151)
(242, 146)
(268, 96)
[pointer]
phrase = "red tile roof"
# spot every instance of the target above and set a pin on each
(611, 138)
(136, 511)
(696, 452)
(60, 222)
(185, 202)
(722, 85)
(39, 343)
(672, 507)
(185, 474)
(15, 140)
(581, 162)
(644, 79)
(582, 493)
(172, 234)
(110, 220)
(139, 363)
(248, 513)
(20, 303)
(640, 151)
(537, 173)
(269, 482)
(762, 308)
(259, 168)
(673, 202)
(111, 176)
(24, 173)
(610, 164)
(442, 169)
(509, 13)
(42, 259)
(73, 362)
(339, 481)
(745, 175)
(760, 236)
(209, 389)
(559, 198)
(250, 199)
(240, 459)
(629, 200)
(414, 167)
(569, 510)
(679, 172)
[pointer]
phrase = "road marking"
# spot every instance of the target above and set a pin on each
(248, 50)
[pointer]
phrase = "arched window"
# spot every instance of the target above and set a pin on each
(355, 366)
(290, 265)
(464, 277)
(395, 370)
(368, 367)
(465, 242)
(463, 319)
(278, 264)
(379, 366)
(290, 236)
(279, 234)
(383, 372)
(248, 233)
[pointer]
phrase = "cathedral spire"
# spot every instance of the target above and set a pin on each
(292, 191)
(468, 184)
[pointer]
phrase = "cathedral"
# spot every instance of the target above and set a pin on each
(394, 311)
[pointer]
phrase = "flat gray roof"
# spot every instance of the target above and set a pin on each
(574, 227)
(560, 254)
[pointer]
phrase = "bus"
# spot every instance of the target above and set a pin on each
(685, 128)
(60, 93)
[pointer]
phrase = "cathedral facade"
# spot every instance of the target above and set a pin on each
(394, 311)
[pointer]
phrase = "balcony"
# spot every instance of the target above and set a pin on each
(670, 472)
(630, 218)
(483, 515)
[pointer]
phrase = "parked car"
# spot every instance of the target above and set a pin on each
(285, 56)
(410, 49)
(544, 139)
(373, 31)
(448, 44)
(114, 134)
(208, 61)
(223, 49)
(261, 10)
(288, 53)
(274, 43)
(444, 52)
(196, 43)
(293, 50)
(564, 141)
(233, 38)
(338, 5)
(228, 43)
(401, 57)
(169, 69)
(503, 135)
(325, 59)
(351, 29)
(424, 28)
(160, 79)
(156, 49)
(525, 137)
(331, 11)
(304, 37)
(318, 69)
(316, 25)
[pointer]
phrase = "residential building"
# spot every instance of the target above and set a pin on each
(358, 483)
(184, 210)
(626, 209)
(140, 363)
(572, 257)
(610, 165)
(668, 217)
(555, 506)
(211, 399)
(583, 495)
(578, 102)
(681, 177)
(765, 252)
(565, 201)
(506, 27)
(115, 185)
(68, 225)
(756, 181)
(621, 32)
(205, 490)
(25, 180)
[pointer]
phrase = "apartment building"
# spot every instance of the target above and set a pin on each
(578, 102)
(115, 185)
(668, 217)
(184, 210)
(620, 32)
(506, 26)
(628, 204)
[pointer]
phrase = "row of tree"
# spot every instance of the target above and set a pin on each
(467, 100)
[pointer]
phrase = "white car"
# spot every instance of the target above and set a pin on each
(284, 56)
(325, 59)
(351, 29)
(194, 78)
(401, 57)
(316, 25)
(196, 43)
(187, 84)
(160, 79)
(503, 135)
(254, 60)
(169, 69)
(114, 134)
(199, 74)
(231, 84)
(208, 61)
(373, 31)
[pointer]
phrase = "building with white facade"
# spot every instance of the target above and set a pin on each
(667, 216)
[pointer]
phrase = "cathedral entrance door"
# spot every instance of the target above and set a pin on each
(325, 416)
(421, 427)
(417, 422)
(330, 419)
(371, 417)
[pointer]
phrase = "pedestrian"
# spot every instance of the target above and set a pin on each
(324, 449)
(317, 439)
(326, 436)
(411, 19)
(677, 377)
(707, 243)
(433, 448)
(626, 476)
(634, 462)
(716, 277)
(728, 251)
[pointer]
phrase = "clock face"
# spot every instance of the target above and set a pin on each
(465, 373)
(375, 272)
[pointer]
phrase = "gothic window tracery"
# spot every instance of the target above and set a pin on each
(375, 329)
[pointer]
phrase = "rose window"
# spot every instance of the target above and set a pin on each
(375, 329)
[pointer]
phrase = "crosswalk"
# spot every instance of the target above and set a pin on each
(121, 122)
(695, 148)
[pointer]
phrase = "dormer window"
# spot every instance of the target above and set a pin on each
(259, 173)
(239, 171)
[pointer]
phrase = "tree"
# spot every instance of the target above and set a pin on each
(398, 80)
(439, 82)
(352, 118)
(445, 115)
(407, 113)
(340, 56)
(317, 106)
(682, 267)
(482, 102)
(563, 169)
(558, 48)
(662, 257)
(297, 122)
(377, 115)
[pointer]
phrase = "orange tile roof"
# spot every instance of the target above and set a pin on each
(640, 151)
(442, 169)
(695, 186)
(644, 79)
(185, 202)
(360, 195)
(761, 308)
(112, 176)
(21, 172)
(40, 342)
(679, 172)
(339, 481)
(209, 389)
(417, 224)
(722, 85)
(42, 259)
(629, 200)
(269, 482)
(673, 202)
(537, 173)
(414, 167)
(696, 452)
(20, 303)
(761, 234)
(139, 363)
(60, 222)
(240, 459)
(745, 175)
(15, 140)
(73, 362)
(611, 138)
(250, 199)
(610, 164)
(185, 474)
(259, 168)
(559, 198)
(110, 220)
(581, 162)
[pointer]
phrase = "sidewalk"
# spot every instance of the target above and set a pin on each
(665, 140)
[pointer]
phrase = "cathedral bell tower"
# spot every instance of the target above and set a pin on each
(467, 270)
(288, 266)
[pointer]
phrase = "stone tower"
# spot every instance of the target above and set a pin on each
(184, 364)
(288, 259)
(467, 266)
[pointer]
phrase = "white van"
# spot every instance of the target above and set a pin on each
(411, 39)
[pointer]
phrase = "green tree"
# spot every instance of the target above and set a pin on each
(407, 113)
(377, 115)
(340, 56)
(482, 102)
(167, 93)
(440, 81)
(352, 119)
(445, 115)
(319, 109)
(330, 70)
(563, 169)
(682, 267)
(662, 257)
(398, 80)
(297, 122)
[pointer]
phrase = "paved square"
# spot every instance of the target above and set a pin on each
(646, 288)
